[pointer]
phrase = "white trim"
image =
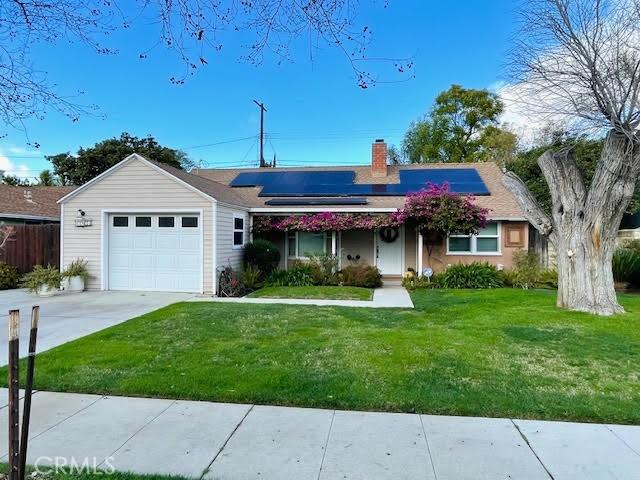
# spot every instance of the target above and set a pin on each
(104, 237)
(62, 238)
(473, 243)
(420, 253)
(235, 230)
(214, 248)
(232, 205)
(21, 216)
(119, 165)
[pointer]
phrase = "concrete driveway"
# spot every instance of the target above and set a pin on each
(68, 316)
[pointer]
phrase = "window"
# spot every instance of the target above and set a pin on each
(487, 242)
(166, 222)
(306, 244)
(120, 221)
(190, 222)
(143, 221)
(238, 232)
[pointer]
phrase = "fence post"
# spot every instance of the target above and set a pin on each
(14, 394)
(28, 393)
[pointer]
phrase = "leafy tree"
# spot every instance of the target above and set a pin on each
(461, 127)
(47, 179)
(579, 60)
(91, 162)
(15, 181)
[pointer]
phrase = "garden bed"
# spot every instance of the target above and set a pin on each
(315, 293)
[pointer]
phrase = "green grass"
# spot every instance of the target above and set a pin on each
(326, 293)
(504, 353)
(49, 473)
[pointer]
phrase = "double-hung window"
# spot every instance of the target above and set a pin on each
(487, 242)
(238, 231)
(306, 244)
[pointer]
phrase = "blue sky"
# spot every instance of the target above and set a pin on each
(316, 113)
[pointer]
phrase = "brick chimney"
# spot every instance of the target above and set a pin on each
(379, 158)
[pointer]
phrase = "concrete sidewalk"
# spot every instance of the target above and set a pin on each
(385, 297)
(229, 441)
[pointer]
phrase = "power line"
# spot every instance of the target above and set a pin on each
(223, 142)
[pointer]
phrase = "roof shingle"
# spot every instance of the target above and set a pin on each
(33, 201)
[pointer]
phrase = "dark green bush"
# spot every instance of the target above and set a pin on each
(472, 275)
(298, 275)
(366, 276)
(548, 279)
(415, 282)
(626, 266)
(9, 277)
(263, 255)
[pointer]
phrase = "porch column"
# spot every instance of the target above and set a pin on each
(420, 247)
(334, 243)
(251, 228)
(286, 249)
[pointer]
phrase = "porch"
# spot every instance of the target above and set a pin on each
(392, 250)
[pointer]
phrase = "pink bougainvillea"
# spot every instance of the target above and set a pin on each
(433, 211)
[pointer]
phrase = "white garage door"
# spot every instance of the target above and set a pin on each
(161, 252)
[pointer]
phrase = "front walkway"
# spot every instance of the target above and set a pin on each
(385, 297)
(230, 441)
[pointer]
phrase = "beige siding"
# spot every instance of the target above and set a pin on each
(357, 242)
(440, 260)
(227, 254)
(136, 185)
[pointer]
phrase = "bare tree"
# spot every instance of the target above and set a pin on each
(580, 60)
(192, 29)
(6, 235)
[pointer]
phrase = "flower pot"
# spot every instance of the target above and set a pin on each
(46, 291)
(75, 284)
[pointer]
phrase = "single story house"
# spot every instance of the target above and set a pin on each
(143, 225)
(30, 205)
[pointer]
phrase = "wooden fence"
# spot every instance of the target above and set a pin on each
(33, 245)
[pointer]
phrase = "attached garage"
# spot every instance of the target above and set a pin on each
(146, 226)
(159, 252)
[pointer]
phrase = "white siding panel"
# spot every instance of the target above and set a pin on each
(134, 186)
(227, 255)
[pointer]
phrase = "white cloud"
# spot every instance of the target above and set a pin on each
(10, 168)
(522, 118)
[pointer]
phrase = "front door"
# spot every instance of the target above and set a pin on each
(389, 250)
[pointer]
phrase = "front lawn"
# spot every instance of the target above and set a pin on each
(503, 353)
(326, 293)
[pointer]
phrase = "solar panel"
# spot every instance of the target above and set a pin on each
(317, 201)
(340, 183)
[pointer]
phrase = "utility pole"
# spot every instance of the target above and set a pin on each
(262, 110)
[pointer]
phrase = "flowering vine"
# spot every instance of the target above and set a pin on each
(434, 211)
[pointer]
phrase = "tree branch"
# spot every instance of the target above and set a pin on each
(529, 205)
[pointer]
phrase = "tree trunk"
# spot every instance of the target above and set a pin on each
(584, 224)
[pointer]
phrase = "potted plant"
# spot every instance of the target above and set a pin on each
(42, 281)
(76, 275)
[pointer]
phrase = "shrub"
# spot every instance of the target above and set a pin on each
(251, 277)
(77, 268)
(626, 266)
(415, 282)
(230, 284)
(41, 276)
(527, 269)
(9, 277)
(263, 255)
(632, 245)
(299, 275)
(325, 269)
(548, 279)
(472, 275)
(358, 275)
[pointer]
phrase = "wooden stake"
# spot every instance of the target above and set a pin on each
(14, 395)
(26, 410)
